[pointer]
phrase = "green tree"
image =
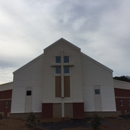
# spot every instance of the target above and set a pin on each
(122, 78)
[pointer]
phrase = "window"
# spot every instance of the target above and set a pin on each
(58, 59)
(66, 69)
(29, 93)
(66, 86)
(58, 70)
(6, 104)
(97, 91)
(121, 102)
(66, 59)
(58, 86)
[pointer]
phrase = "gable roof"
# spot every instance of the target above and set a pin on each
(61, 40)
(6, 86)
(29, 63)
(121, 84)
(68, 44)
(97, 63)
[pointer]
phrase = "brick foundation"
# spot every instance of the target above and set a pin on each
(47, 110)
(78, 110)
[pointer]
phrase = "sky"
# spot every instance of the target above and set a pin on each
(101, 28)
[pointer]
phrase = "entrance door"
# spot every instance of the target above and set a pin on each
(97, 98)
(28, 102)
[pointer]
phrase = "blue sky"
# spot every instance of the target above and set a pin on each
(101, 28)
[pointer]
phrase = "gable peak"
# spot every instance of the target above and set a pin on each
(62, 40)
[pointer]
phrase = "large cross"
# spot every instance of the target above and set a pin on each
(62, 64)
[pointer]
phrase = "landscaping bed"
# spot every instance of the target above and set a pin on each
(68, 124)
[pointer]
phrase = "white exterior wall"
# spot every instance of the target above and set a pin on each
(75, 72)
(96, 74)
(88, 98)
(108, 98)
(30, 75)
(18, 100)
(37, 99)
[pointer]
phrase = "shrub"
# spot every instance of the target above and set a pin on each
(1, 116)
(128, 112)
(30, 121)
(96, 122)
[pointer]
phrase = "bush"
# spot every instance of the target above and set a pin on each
(1, 116)
(30, 121)
(96, 122)
(128, 112)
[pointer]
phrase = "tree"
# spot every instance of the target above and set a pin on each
(122, 78)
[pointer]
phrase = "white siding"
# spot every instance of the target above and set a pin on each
(18, 100)
(30, 75)
(37, 99)
(108, 98)
(96, 74)
(75, 73)
(88, 98)
(84, 75)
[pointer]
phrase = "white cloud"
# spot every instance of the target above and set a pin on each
(6, 75)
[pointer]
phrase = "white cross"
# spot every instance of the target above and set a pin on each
(62, 64)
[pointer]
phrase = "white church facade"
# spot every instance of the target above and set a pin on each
(63, 82)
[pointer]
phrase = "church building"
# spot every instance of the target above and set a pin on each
(64, 82)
